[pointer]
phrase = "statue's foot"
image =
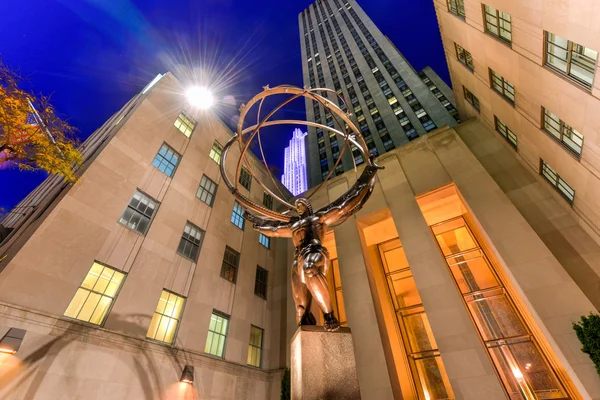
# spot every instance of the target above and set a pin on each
(331, 322)
(308, 319)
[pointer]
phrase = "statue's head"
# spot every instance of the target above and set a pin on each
(303, 207)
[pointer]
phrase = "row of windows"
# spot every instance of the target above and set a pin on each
(568, 58)
(440, 96)
(98, 291)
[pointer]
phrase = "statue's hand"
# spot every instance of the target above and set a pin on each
(372, 160)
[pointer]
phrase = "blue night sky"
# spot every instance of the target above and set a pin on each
(94, 55)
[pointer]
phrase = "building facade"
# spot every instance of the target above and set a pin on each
(294, 164)
(392, 104)
(529, 72)
(144, 268)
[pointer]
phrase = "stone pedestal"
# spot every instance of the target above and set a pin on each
(323, 365)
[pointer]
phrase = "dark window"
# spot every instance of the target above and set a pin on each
(206, 190)
(268, 200)
(189, 245)
(245, 178)
(470, 97)
(464, 57)
(231, 261)
(261, 282)
(139, 212)
(507, 133)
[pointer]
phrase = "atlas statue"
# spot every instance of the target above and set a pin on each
(308, 227)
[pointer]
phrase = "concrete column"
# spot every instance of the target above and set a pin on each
(373, 376)
(469, 369)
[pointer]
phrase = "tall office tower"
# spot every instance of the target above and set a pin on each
(294, 172)
(535, 82)
(392, 104)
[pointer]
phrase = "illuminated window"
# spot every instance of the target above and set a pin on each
(264, 240)
(559, 183)
(166, 160)
(457, 7)
(339, 295)
(498, 23)
(245, 178)
(189, 244)
(567, 136)
(268, 200)
(237, 215)
(215, 152)
(520, 364)
(255, 346)
(185, 124)
(502, 86)
(470, 97)
(261, 282)
(506, 132)
(571, 59)
(206, 190)
(421, 348)
(167, 316)
(464, 57)
(139, 212)
(231, 262)
(96, 295)
(217, 334)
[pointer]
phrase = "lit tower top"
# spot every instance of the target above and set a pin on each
(294, 173)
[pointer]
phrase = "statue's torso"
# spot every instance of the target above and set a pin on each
(308, 230)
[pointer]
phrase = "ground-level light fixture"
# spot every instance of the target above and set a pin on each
(200, 97)
(187, 376)
(11, 342)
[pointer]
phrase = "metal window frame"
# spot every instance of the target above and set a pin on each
(175, 166)
(503, 86)
(569, 61)
(164, 315)
(471, 98)
(213, 194)
(135, 210)
(185, 121)
(465, 53)
(262, 239)
(226, 334)
(199, 245)
(258, 281)
(238, 214)
(230, 266)
(216, 149)
(459, 5)
(101, 324)
(508, 133)
(262, 340)
(498, 26)
(558, 181)
(563, 127)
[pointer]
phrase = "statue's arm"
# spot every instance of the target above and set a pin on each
(351, 201)
(269, 227)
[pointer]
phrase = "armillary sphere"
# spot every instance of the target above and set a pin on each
(345, 129)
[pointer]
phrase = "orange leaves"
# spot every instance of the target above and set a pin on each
(32, 136)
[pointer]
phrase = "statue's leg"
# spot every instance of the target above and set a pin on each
(302, 296)
(314, 265)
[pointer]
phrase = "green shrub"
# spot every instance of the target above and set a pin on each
(588, 333)
(285, 385)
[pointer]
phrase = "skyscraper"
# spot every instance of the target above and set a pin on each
(294, 172)
(343, 50)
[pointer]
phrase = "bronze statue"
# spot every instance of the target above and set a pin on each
(311, 258)
(308, 228)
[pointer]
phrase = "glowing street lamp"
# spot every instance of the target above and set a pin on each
(200, 97)
(187, 376)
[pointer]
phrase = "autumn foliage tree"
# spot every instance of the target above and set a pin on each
(32, 136)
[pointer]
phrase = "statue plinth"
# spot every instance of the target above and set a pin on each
(323, 365)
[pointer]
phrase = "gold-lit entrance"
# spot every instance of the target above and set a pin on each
(422, 353)
(522, 366)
